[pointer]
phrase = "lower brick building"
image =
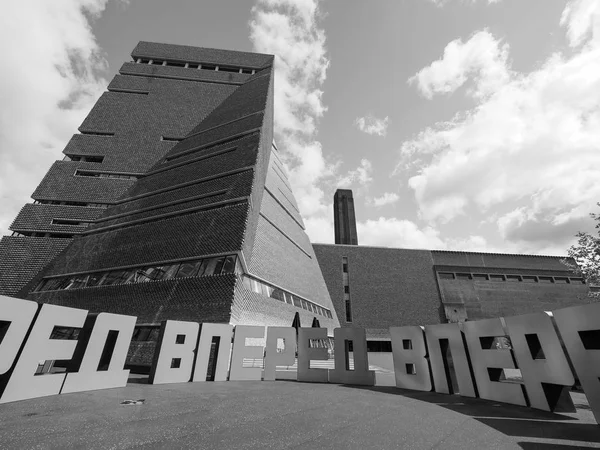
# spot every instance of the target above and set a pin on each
(376, 288)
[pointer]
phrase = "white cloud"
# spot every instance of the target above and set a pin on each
(530, 149)
(320, 229)
(386, 199)
(361, 175)
(395, 233)
(289, 30)
(51, 67)
(582, 20)
(482, 58)
(372, 125)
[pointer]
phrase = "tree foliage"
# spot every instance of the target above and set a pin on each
(586, 254)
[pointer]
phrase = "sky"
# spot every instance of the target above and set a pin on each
(458, 124)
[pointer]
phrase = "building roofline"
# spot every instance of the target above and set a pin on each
(206, 55)
(447, 251)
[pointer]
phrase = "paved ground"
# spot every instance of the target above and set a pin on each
(285, 414)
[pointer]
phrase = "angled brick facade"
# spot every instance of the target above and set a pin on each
(168, 206)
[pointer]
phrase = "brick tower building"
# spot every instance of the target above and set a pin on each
(344, 219)
(172, 202)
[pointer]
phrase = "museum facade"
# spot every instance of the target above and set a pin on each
(172, 202)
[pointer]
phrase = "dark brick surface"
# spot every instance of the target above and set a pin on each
(39, 217)
(236, 186)
(196, 234)
(203, 299)
(223, 229)
(171, 108)
(488, 299)
(22, 257)
(60, 183)
(388, 287)
(243, 156)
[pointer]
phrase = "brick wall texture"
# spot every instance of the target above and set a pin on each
(394, 287)
(202, 145)
(388, 287)
(478, 298)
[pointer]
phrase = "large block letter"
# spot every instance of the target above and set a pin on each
(579, 327)
(220, 335)
(544, 367)
(488, 362)
(18, 314)
(361, 375)
(306, 354)
(410, 363)
(241, 350)
(23, 383)
(107, 346)
(448, 357)
(273, 356)
(174, 355)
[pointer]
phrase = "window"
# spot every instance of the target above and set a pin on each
(268, 290)
(297, 301)
(69, 222)
(212, 266)
(346, 289)
(188, 269)
(175, 63)
(463, 276)
(513, 278)
(480, 276)
(170, 271)
(229, 69)
(494, 277)
(76, 282)
(114, 277)
(345, 267)
(278, 294)
(229, 266)
(546, 279)
(88, 173)
(84, 158)
(96, 279)
(348, 311)
(561, 280)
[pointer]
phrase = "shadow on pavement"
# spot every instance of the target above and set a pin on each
(546, 446)
(508, 419)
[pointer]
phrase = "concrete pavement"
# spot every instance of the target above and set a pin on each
(286, 414)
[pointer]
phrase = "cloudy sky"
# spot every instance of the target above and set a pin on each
(459, 124)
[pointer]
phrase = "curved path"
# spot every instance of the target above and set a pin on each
(284, 414)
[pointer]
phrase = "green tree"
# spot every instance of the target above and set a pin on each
(586, 254)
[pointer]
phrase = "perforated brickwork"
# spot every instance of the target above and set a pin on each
(39, 217)
(388, 287)
(22, 257)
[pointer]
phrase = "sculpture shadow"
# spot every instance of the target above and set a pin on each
(508, 419)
